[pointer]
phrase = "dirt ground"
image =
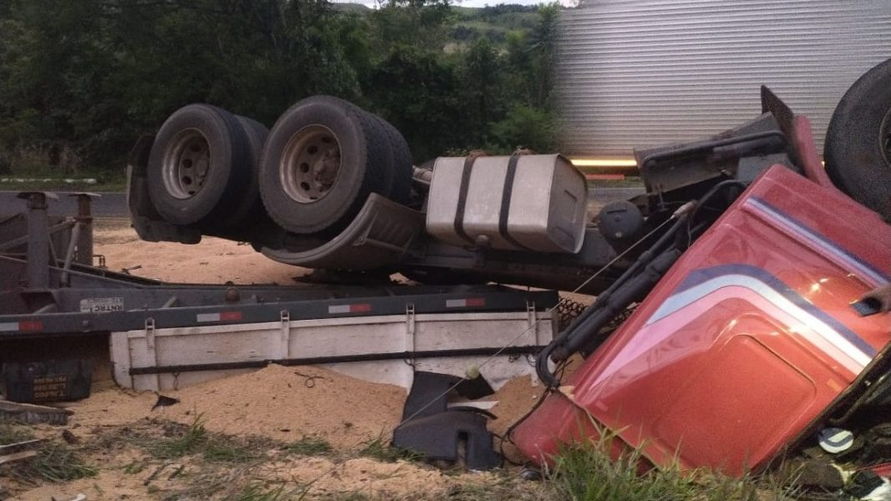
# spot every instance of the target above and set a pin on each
(277, 433)
(213, 260)
(266, 433)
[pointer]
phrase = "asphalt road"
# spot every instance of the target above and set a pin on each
(115, 204)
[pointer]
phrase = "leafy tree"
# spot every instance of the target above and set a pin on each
(483, 77)
(526, 127)
(418, 92)
(81, 79)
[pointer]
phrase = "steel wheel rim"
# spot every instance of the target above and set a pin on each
(310, 164)
(186, 164)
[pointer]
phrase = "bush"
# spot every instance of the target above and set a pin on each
(527, 127)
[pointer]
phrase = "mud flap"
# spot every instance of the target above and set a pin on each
(433, 430)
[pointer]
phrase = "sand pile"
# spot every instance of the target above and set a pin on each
(288, 403)
(212, 261)
(284, 403)
(515, 399)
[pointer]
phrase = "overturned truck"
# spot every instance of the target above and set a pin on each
(738, 266)
(723, 334)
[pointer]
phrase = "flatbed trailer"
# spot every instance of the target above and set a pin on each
(52, 308)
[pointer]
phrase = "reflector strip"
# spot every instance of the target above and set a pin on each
(708, 287)
(230, 316)
(349, 308)
(9, 326)
(830, 249)
(223, 316)
(466, 303)
(30, 325)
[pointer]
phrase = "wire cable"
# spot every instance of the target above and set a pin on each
(547, 312)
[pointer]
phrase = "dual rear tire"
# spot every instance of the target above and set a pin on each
(203, 168)
(322, 159)
(311, 174)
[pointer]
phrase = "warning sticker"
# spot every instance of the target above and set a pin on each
(101, 304)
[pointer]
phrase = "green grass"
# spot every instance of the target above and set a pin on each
(59, 463)
(192, 440)
(506, 486)
(213, 447)
(218, 450)
(54, 462)
(309, 446)
(583, 471)
(260, 492)
(135, 467)
(11, 433)
(380, 450)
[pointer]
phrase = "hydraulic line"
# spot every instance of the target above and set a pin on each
(631, 286)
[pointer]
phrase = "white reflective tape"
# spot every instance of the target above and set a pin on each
(810, 323)
(208, 317)
(340, 308)
(9, 326)
(830, 250)
(456, 303)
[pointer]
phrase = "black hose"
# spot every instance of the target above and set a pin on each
(632, 285)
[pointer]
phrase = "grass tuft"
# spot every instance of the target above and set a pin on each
(56, 463)
(584, 471)
(191, 441)
(219, 450)
(11, 433)
(213, 447)
(380, 449)
(309, 446)
(135, 467)
(256, 491)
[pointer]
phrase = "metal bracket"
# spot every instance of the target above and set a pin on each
(410, 331)
(150, 334)
(532, 320)
(285, 333)
(84, 240)
(150, 346)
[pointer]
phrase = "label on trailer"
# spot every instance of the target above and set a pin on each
(101, 304)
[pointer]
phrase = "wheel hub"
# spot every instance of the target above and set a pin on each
(310, 164)
(186, 164)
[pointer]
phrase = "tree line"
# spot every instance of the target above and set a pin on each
(80, 80)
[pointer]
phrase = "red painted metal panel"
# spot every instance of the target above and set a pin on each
(744, 343)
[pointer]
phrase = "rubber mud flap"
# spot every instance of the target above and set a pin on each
(858, 141)
(363, 154)
(193, 169)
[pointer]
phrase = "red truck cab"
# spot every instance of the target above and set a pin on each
(745, 346)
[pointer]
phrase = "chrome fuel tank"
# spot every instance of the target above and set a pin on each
(526, 202)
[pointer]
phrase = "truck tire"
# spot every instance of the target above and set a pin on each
(858, 141)
(401, 165)
(396, 183)
(322, 159)
(193, 168)
(249, 206)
